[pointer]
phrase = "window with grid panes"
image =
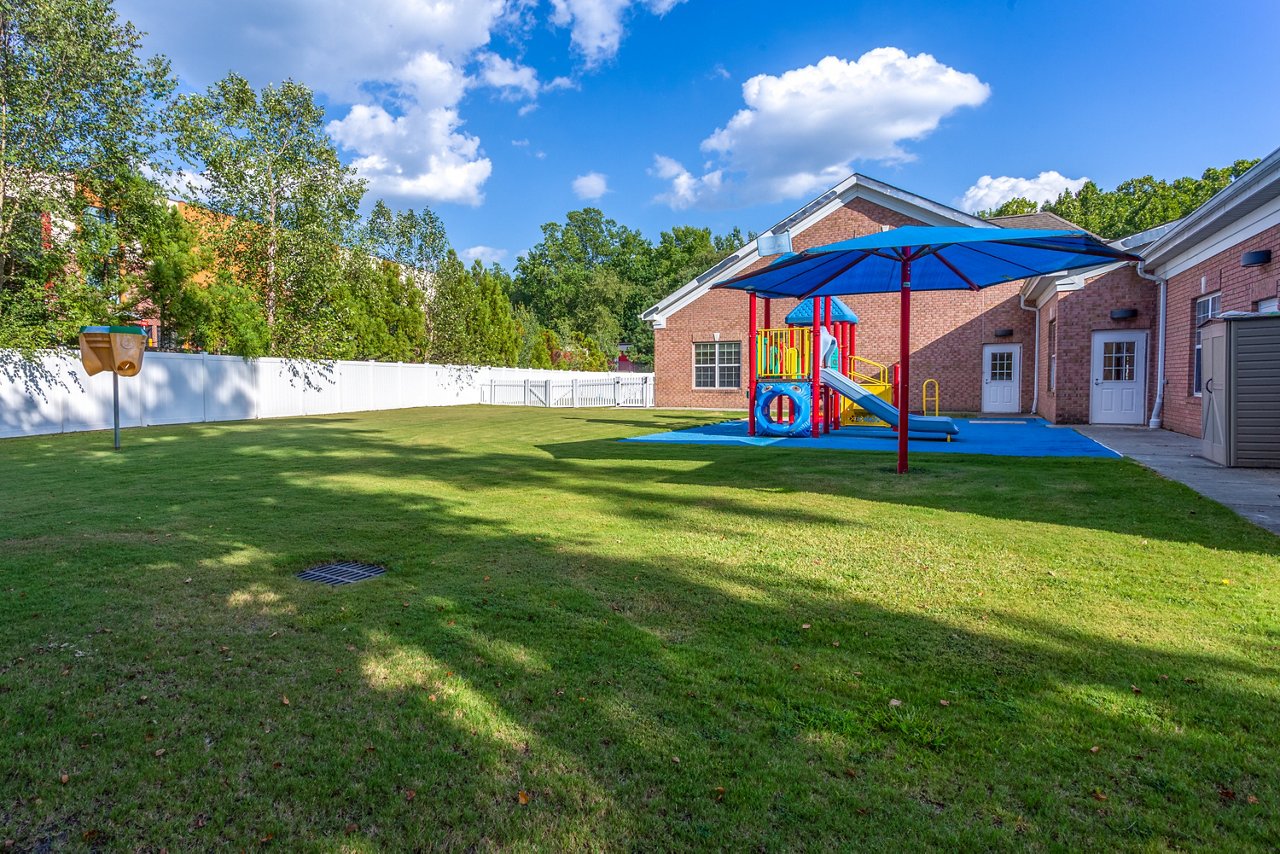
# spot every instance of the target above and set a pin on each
(717, 364)
(1206, 307)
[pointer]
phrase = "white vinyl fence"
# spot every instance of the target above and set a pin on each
(184, 388)
(516, 387)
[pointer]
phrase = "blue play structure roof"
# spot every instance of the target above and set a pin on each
(802, 315)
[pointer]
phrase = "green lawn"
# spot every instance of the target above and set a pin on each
(599, 645)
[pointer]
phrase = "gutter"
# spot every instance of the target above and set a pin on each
(1158, 407)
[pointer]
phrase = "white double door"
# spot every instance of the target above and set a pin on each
(1118, 376)
(1001, 378)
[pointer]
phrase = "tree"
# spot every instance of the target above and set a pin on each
(284, 203)
(166, 289)
(414, 240)
(77, 102)
(579, 276)
(1013, 207)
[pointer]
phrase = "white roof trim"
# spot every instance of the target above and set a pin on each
(1203, 226)
(853, 187)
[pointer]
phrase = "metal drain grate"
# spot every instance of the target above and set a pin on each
(344, 572)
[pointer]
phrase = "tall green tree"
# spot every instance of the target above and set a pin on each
(579, 276)
(283, 202)
(415, 240)
(77, 102)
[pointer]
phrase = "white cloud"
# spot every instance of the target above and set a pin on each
(420, 154)
(803, 130)
(596, 26)
(484, 254)
(513, 79)
(520, 143)
(990, 192)
(686, 189)
(590, 186)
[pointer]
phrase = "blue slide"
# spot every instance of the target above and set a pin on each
(863, 397)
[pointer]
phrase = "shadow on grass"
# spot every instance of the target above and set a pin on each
(493, 661)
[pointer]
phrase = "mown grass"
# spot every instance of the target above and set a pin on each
(655, 646)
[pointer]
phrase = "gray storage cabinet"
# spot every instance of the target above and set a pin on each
(1240, 378)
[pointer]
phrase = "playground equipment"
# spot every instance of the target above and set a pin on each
(808, 379)
(118, 349)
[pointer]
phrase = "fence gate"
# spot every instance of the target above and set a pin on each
(604, 390)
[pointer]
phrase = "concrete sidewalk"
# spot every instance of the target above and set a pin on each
(1253, 493)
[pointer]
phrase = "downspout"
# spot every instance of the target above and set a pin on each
(1158, 408)
(1035, 362)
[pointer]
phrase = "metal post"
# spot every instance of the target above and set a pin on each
(751, 359)
(115, 404)
(904, 358)
(815, 367)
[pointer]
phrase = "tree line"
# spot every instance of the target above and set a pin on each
(1134, 205)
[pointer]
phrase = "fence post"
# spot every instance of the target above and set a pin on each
(546, 398)
(573, 392)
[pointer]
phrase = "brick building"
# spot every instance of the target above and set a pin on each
(1078, 348)
(1225, 256)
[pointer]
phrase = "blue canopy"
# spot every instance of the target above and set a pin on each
(940, 259)
(802, 315)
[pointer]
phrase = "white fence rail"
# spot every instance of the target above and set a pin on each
(631, 390)
(184, 388)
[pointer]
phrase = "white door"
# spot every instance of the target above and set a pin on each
(1119, 376)
(1001, 377)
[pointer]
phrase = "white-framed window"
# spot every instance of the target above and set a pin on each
(1267, 306)
(1206, 307)
(717, 364)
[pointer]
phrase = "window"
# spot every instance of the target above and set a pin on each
(717, 364)
(1118, 359)
(1053, 355)
(1269, 306)
(1002, 366)
(1206, 308)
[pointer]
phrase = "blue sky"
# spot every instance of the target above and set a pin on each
(504, 114)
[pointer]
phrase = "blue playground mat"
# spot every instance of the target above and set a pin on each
(998, 437)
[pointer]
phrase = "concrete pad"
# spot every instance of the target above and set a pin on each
(1253, 493)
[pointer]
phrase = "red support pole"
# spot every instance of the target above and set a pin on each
(751, 375)
(904, 357)
(815, 366)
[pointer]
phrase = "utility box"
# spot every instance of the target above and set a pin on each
(1240, 382)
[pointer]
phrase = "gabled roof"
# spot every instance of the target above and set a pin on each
(856, 186)
(1245, 207)
(802, 314)
(1039, 219)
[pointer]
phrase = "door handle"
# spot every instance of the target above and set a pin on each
(1097, 382)
(1208, 385)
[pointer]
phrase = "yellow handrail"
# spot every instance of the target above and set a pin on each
(878, 374)
(924, 395)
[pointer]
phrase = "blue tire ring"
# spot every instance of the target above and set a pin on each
(767, 393)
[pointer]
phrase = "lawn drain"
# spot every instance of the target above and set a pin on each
(341, 572)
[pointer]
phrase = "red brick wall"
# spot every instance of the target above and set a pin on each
(948, 328)
(1242, 288)
(1046, 399)
(1079, 314)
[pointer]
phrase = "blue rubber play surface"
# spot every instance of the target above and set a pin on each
(1012, 437)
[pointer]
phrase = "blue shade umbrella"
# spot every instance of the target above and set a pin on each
(925, 259)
